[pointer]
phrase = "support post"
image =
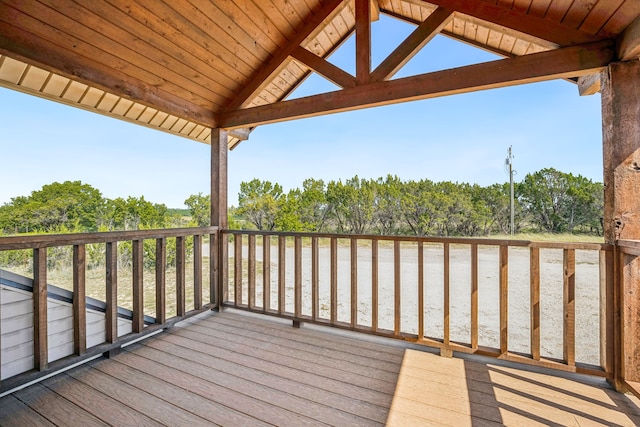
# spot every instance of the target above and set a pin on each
(219, 150)
(621, 155)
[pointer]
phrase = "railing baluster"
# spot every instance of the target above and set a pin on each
(79, 300)
(534, 278)
(266, 273)
(297, 309)
(420, 290)
(180, 276)
(40, 338)
(237, 268)
(474, 296)
(223, 265)
(606, 310)
(252, 270)
(138, 303)
(504, 299)
(282, 265)
(397, 288)
(197, 271)
(569, 298)
(334, 281)
(214, 266)
(447, 297)
(315, 278)
(161, 282)
(354, 282)
(111, 313)
(374, 285)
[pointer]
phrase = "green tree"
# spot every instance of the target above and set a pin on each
(200, 208)
(387, 204)
(559, 202)
(351, 205)
(258, 203)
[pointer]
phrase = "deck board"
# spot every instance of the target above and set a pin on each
(232, 368)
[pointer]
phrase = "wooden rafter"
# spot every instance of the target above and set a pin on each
(426, 31)
(363, 41)
(544, 29)
(324, 67)
(261, 78)
(572, 61)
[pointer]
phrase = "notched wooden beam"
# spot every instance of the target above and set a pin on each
(589, 84)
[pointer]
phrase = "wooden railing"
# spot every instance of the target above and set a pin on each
(514, 300)
(78, 243)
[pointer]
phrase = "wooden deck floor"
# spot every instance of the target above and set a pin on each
(235, 369)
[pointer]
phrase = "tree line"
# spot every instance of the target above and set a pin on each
(545, 201)
(73, 206)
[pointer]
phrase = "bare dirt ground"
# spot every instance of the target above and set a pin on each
(551, 270)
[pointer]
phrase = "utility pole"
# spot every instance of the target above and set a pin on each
(509, 162)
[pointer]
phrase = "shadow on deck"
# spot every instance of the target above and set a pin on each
(232, 368)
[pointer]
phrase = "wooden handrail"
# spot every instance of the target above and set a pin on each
(308, 255)
(39, 245)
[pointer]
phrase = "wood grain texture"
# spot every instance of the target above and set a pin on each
(234, 369)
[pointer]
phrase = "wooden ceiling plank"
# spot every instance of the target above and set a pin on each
(216, 17)
(136, 21)
(27, 47)
(558, 9)
(522, 6)
(69, 33)
(324, 68)
(629, 42)
(577, 13)
(539, 8)
(275, 15)
(599, 15)
(419, 38)
(363, 41)
(537, 27)
(240, 19)
(259, 79)
(254, 14)
(625, 14)
(565, 62)
(218, 47)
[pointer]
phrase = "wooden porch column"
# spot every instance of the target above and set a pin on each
(219, 149)
(621, 155)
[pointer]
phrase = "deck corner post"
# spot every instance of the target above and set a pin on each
(219, 186)
(621, 158)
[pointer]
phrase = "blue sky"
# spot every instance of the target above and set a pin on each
(460, 138)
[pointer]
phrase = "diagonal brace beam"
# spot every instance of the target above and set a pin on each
(422, 35)
(260, 79)
(324, 67)
(573, 61)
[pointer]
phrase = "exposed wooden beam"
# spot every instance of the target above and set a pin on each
(422, 35)
(324, 67)
(589, 84)
(261, 78)
(542, 28)
(242, 133)
(629, 42)
(363, 41)
(572, 61)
